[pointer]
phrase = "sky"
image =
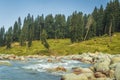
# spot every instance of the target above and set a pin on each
(10, 10)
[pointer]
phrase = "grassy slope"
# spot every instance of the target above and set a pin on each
(65, 47)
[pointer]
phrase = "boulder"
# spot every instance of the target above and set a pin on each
(102, 66)
(72, 76)
(60, 68)
(90, 76)
(100, 75)
(49, 60)
(81, 70)
(104, 79)
(86, 71)
(112, 74)
(115, 59)
(113, 66)
(117, 72)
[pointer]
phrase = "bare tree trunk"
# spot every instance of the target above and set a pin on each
(110, 32)
(89, 23)
(86, 34)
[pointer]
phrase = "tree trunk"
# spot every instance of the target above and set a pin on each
(110, 32)
(86, 34)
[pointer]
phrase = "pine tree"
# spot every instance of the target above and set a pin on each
(19, 28)
(30, 35)
(23, 34)
(43, 39)
(16, 32)
(77, 27)
(2, 36)
(49, 25)
(60, 24)
(9, 38)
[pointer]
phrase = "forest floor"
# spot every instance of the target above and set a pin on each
(65, 47)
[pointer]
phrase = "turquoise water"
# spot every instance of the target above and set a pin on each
(35, 69)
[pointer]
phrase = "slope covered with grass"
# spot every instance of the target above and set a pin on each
(65, 47)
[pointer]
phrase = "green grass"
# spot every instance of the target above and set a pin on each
(65, 47)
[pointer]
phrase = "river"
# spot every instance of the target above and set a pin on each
(37, 69)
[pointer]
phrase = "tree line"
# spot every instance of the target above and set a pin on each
(77, 27)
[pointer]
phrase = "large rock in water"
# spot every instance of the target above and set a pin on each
(117, 72)
(73, 76)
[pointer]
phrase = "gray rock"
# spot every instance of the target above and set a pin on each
(117, 72)
(102, 66)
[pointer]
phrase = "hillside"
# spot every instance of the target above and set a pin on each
(65, 47)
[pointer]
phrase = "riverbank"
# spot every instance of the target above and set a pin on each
(104, 66)
(65, 47)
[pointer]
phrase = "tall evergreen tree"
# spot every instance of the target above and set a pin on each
(2, 36)
(23, 33)
(77, 27)
(9, 38)
(44, 39)
(49, 25)
(30, 35)
(19, 27)
(15, 32)
(60, 24)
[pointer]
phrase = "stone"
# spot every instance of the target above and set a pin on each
(113, 66)
(102, 66)
(115, 59)
(104, 79)
(99, 75)
(117, 72)
(60, 68)
(82, 70)
(72, 76)
(112, 74)
(49, 60)
(90, 76)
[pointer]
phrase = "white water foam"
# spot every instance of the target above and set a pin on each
(43, 65)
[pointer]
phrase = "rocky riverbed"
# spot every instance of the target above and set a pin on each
(87, 66)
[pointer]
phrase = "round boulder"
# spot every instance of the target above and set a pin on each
(115, 59)
(73, 76)
(117, 72)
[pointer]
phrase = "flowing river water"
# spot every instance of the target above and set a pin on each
(37, 69)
